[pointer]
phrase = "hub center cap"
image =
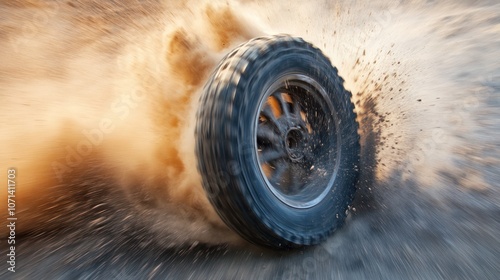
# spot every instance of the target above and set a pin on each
(294, 143)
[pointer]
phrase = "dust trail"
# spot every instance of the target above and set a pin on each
(103, 95)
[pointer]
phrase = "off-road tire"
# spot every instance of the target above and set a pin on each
(320, 134)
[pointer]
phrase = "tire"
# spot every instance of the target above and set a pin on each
(277, 143)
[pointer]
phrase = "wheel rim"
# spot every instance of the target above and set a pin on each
(297, 141)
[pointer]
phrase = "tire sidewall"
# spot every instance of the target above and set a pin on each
(321, 219)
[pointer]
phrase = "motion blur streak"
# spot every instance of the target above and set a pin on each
(97, 111)
(112, 88)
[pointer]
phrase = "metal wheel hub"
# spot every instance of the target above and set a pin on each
(295, 141)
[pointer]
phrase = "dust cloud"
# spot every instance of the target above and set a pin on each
(103, 95)
(98, 103)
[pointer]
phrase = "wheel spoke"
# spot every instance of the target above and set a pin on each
(278, 172)
(269, 155)
(264, 132)
(296, 110)
(297, 113)
(269, 115)
(283, 104)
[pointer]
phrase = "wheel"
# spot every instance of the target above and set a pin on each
(277, 143)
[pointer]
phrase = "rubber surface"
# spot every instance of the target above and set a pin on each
(226, 150)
